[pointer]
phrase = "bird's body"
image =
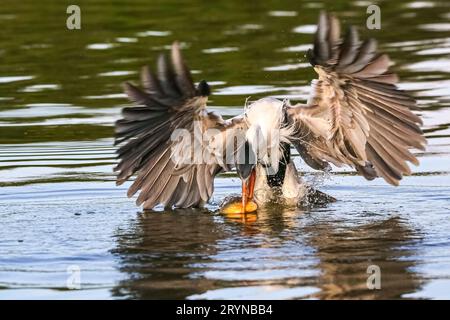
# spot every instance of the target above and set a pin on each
(283, 184)
(355, 116)
(290, 191)
(277, 178)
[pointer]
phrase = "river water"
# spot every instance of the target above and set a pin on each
(66, 231)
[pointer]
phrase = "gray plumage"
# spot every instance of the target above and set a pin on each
(355, 116)
(169, 101)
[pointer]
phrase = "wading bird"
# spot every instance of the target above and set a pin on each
(355, 116)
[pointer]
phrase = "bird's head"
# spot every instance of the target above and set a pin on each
(266, 133)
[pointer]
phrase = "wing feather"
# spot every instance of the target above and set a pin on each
(356, 115)
(167, 102)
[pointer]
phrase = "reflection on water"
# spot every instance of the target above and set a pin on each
(158, 253)
(346, 253)
(60, 95)
(280, 254)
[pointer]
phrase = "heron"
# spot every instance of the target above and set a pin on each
(355, 116)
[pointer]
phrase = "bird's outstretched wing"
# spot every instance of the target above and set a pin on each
(355, 114)
(168, 172)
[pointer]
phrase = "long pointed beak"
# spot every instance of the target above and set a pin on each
(248, 188)
(245, 167)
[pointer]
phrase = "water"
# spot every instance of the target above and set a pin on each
(59, 209)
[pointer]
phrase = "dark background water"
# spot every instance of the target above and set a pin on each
(60, 95)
